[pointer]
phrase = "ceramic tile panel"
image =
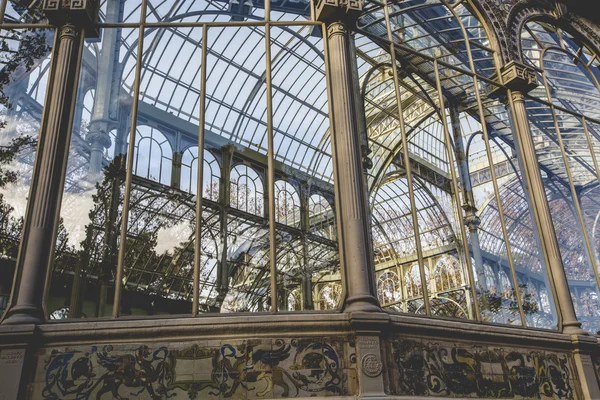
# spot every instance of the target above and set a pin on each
(260, 368)
(421, 367)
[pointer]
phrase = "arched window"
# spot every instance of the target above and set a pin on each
(86, 112)
(329, 296)
(321, 217)
(153, 155)
(115, 148)
(530, 296)
(388, 288)
(37, 82)
(507, 289)
(294, 300)
(544, 301)
(211, 173)
(391, 214)
(246, 190)
(447, 274)
(287, 204)
(413, 281)
(490, 278)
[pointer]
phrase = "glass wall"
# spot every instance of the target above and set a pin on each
(199, 176)
(200, 170)
(452, 232)
(564, 112)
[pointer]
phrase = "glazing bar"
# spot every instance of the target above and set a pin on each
(449, 150)
(200, 177)
(270, 159)
(129, 169)
(409, 180)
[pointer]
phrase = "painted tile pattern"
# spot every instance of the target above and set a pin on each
(432, 368)
(249, 369)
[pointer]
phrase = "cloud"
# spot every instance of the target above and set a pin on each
(168, 238)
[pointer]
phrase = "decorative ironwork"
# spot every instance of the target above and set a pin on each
(338, 10)
(82, 13)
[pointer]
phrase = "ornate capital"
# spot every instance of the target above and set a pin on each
(99, 139)
(338, 10)
(519, 77)
(68, 31)
(336, 28)
(472, 221)
(515, 76)
(80, 13)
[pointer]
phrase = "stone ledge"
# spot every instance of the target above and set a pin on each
(283, 324)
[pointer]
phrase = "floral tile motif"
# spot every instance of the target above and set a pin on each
(425, 368)
(242, 369)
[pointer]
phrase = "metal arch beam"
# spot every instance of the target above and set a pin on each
(426, 171)
(396, 151)
(434, 204)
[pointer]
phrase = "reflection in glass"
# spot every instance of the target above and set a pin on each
(24, 74)
(84, 269)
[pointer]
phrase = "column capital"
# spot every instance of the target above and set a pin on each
(517, 76)
(338, 10)
(336, 28)
(471, 220)
(81, 13)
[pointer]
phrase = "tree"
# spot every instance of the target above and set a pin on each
(20, 52)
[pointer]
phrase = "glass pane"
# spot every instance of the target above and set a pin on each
(567, 150)
(24, 65)
(577, 260)
(307, 255)
(203, 11)
(236, 127)
(159, 261)
(116, 11)
(84, 269)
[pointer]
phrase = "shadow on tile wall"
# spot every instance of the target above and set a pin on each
(248, 369)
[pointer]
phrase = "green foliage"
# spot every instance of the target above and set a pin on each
(32, 47)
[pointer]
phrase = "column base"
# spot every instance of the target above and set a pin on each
(362, 303)
(24, 315)
(574, 328)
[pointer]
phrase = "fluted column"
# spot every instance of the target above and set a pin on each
(519, 79)
(351, 204)
(37, 247)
